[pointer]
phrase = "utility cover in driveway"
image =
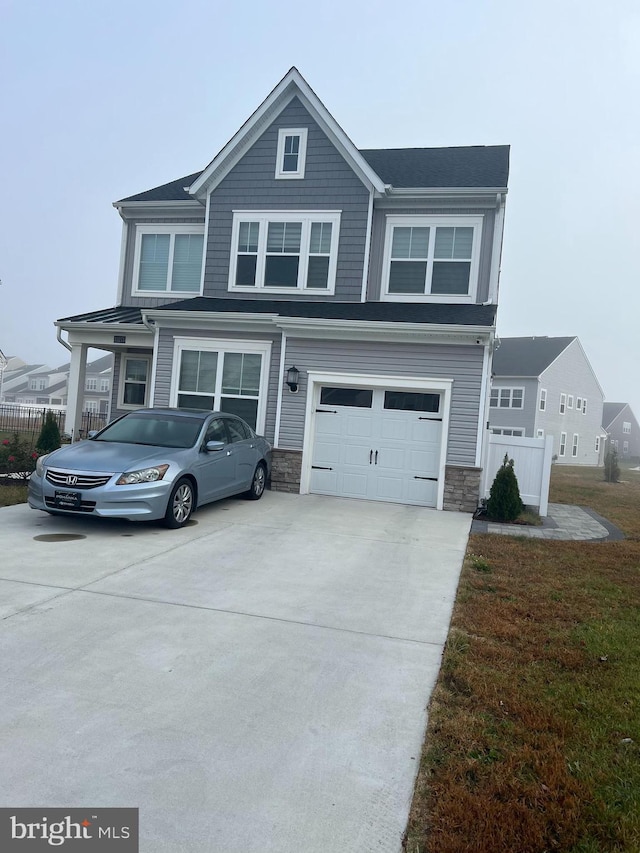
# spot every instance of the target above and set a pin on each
(379, 445)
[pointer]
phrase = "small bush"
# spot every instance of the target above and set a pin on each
(17, 458)
(49, 438)
(611, 467)
(504, 502)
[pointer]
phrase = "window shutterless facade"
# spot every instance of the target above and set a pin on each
(563, 444)
(597, 447)
(134, 381)
(574, 447)
(222, 375)
(91, 384)
(168, 259)
(626, 427)
(292, 152)
(431, 258)
(543, 399)
(104, 384)
(508, 431)
(563, 403)
(506, 398)
(570, 401)
(284, 252)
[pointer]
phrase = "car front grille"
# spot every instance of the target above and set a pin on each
(85, 506)
(70, 479)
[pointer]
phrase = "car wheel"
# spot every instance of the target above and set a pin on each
(180, 505)
(258, 483)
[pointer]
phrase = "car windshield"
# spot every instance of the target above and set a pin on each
(155, 430)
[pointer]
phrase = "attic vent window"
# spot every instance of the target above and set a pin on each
(292, 152)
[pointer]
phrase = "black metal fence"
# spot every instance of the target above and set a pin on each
(28, 420)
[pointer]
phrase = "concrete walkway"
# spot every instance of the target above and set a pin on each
(564, 521)
(255, 681)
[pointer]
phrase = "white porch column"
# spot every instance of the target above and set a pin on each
(75, 390)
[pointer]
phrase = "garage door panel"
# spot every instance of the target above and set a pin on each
(377, 453)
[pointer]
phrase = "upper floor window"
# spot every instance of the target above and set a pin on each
(626, 427)
(104, 385)
(292, 152)
(91, 384)
(584, 405)
(38, 384)
(507, 398)
(431, 257)
(168, 259)
(563, 403)
(282, 252)
(543, 399)
(570, 401)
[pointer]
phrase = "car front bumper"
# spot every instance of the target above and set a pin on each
(138, 502)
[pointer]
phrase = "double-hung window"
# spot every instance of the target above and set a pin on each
(506, 398)
(563, 403)
(168, 259)
(574, 447)
(91, 384)
(626, 427)
(284, 252)
(134, 381)
(223, 375)
(292, 152)
(543, 399)
(431, 258)
(563, 443)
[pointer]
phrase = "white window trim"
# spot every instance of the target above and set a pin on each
(432, 222)
(626, 427)
(510, 389)
(91, 384)
(104, 386)
(172, 230)
(250, 347)
(562, 448)
(563, 403)
(625, 447)
(574, 445)
(301, 132)
(542, 405)
(597, 444)
(539, 433)
(128, 406)
(512, 432)
(584, 405)
(304, 216)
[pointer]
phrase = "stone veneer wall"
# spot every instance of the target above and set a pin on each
(461, 488)
(286, 466)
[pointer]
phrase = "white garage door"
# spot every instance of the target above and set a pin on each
(377, 444)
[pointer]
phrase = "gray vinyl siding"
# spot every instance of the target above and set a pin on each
(616, 433)
(463, 364)
(374, 286)
(329, 183)
(149, 301)
(571, 373)
(164, 364)
(524, 418)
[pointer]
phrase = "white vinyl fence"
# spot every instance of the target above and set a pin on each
(531, 463)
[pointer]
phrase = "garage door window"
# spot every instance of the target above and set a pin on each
(407, 401)
(359, 398)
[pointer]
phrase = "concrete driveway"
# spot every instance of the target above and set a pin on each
(255, 681)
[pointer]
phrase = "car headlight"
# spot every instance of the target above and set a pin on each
(40, 464)
(146, 475)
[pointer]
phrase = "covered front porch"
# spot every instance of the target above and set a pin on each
(121, 331)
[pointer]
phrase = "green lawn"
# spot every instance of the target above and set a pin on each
(533, 742)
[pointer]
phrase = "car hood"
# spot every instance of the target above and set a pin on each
(112, 456)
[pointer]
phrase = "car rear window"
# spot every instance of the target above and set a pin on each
(158, 431)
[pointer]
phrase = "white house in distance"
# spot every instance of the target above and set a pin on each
(546, 386)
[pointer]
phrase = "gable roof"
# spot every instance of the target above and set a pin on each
(610, 412)
(474, 166)
(527, 357)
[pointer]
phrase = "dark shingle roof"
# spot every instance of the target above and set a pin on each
(395, 312)
(471, 166)
(527, 356)
(610, 412)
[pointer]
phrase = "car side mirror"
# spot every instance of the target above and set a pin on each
(212, 446)
(92, 433)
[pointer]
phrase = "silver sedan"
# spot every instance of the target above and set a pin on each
(153, 464)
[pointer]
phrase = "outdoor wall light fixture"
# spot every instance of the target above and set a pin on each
(292, 379)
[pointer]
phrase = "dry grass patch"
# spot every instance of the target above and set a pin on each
(15, 493)
(534, 726)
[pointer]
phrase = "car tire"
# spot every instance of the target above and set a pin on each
(258, 483)
(180, 504)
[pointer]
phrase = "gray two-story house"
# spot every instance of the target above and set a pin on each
(623, 430)
(342, 301)
(546, 386)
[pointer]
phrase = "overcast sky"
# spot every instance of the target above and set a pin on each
(101, 100)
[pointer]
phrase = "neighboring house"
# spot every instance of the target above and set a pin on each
(622, 429)
(15, 381)
(45, 386)
(342, 301)
(545, 386)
